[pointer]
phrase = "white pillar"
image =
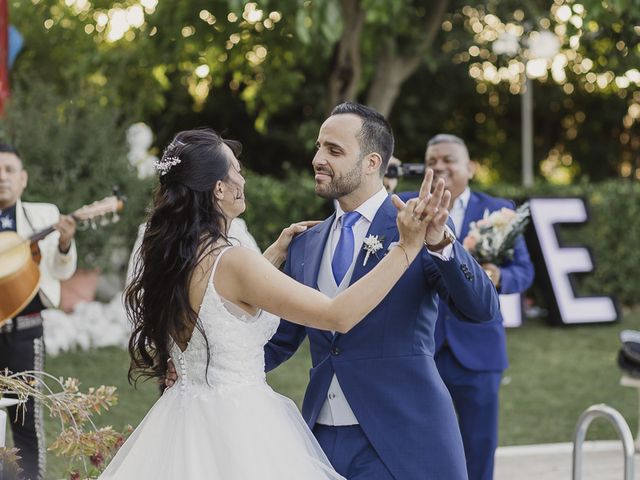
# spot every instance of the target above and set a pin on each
(3, 427)
(527, 132)
(4, 403)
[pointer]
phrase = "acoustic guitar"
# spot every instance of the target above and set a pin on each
(20, 258)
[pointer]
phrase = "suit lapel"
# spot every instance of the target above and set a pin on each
(22, 226)
(383, 225)
(313, 251)
(473, 212)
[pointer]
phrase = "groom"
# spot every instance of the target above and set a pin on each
(375, 401)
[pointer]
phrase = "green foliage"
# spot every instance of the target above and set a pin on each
(611, 233)
(613, 33)
(75, 153)
(275, 103)
(274, 204)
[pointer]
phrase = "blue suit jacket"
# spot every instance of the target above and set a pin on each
(385, 364)
(482, 347)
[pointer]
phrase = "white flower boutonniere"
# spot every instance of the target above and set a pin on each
(371, 245)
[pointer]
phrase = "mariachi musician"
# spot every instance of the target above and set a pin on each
(21, 342)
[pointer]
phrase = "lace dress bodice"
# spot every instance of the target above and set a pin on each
(235, 339)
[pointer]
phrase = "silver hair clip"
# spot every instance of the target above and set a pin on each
(164, 165)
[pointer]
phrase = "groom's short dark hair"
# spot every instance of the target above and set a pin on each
(375, 135)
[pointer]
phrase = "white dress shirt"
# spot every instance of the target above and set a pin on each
(459, 209)
(336, 410)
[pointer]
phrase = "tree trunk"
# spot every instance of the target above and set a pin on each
(392, 69)
(347, 65)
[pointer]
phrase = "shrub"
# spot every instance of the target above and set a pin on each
(273, 204)
(612, 232)
(74, 150)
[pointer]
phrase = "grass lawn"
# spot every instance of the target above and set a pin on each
(558, 372)
(555, 374)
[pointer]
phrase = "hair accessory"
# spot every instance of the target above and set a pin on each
(164, 165)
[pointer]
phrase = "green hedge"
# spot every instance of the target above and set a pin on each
(612, 233)
(273, 204)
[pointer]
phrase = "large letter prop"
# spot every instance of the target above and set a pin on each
(560, 262)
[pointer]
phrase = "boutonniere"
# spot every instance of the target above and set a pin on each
(371, 245)
(6, 223)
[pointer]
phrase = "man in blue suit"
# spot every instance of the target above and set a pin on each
(375, 400)
(471, 356)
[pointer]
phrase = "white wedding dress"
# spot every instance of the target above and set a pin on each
(228, 424)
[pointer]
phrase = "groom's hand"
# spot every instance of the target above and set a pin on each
(171, 377)
(436, 211)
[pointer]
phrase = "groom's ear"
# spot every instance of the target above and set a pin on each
(373, 163)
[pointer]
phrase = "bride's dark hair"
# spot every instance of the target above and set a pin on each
(184, 225)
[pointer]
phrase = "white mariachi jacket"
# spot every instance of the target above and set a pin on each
(54, 266)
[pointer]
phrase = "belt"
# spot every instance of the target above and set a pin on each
(23, 322)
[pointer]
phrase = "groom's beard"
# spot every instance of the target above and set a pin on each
(340, 186)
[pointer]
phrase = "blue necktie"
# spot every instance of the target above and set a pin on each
(343, 255)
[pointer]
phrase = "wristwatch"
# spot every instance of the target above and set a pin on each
(448, 239)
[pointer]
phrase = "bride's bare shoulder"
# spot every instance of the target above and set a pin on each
(239, 253)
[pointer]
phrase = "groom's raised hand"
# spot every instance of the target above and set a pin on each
(436, 211)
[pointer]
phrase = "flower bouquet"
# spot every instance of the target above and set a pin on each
(492, 239)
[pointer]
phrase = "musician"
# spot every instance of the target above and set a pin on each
(21, 342)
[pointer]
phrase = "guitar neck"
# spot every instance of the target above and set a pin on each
(39, 235)
(36, 237)
(107, 205)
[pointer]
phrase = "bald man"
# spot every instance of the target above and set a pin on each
(472, 356)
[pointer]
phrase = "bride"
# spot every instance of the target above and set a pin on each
(203, 303)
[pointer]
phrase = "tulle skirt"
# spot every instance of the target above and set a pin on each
(241, 432)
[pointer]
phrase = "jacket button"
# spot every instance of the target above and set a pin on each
(335, 351)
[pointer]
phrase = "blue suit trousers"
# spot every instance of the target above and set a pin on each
(475, 397)
(350, 452)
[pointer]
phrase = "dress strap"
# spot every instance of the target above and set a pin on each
(215, 264)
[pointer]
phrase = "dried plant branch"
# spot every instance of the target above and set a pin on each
(79, 439)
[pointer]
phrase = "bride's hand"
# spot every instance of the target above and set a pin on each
(277, 252)
(283, 241)
(411, 223)
(171, 377)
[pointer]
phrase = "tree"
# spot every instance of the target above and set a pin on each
(399, 35)
(267, 72)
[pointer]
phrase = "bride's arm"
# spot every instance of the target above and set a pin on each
(251, 279)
